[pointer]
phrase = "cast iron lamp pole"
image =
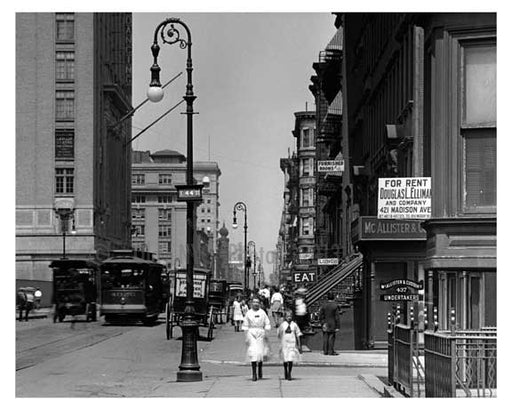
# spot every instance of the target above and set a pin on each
(189, 367)
(253, 244)
(240, 206)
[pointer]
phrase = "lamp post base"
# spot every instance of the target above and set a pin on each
(189, 376)
(189, 367)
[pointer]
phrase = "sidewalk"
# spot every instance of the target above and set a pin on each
(229, 348)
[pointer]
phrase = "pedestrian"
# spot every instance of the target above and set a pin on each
(255, 323)
(265, 297)
(276, 306)
(37, 298)
(301, 309)
(330, 319)
(289, 335)
(244, 307)
(21, 300)
(237, 314)
(29, 303)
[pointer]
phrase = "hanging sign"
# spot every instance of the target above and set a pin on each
(403, 290)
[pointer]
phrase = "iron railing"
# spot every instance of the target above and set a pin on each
(461, 363)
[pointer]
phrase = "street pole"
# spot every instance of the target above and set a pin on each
(169, 34)
(240, 206)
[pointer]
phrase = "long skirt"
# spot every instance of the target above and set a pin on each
(289, 351)
(257, 345)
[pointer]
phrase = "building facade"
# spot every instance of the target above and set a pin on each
(159, 220)
(73, 85)
(420, 101)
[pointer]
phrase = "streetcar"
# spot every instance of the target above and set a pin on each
(176, 305)
(74, 288)
(132, 289)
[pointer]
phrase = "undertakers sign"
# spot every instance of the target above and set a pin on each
(404, 198)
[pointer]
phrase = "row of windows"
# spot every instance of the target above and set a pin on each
(163, 214)
(162, 199)
(164, 231)
(140, 179)
(206, 220)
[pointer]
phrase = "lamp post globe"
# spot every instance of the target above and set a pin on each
(155, 94)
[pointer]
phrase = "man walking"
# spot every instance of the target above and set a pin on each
(330, 319)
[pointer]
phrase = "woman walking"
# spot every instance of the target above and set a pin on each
(289, 336)
(276, 306)
(238, 317)
(255, 323)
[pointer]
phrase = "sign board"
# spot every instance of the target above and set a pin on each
(199, 285)
(328, 261)
(190, 192)
(403, 290)
(336, 165)
(64, 146)
(305, 256)
(369, 228)
(302, 277)
(404, 198)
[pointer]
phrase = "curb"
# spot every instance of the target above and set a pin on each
(379, 387)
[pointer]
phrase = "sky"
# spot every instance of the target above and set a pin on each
(251, 74)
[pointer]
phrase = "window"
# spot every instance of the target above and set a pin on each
(164, 179)
(138, 199)
(164, 231)
(138, 230)
(164, 199)
(65, 66)
(306, 167)
(479, 126)
(306, 140)
(208, 210)
(138, 214)
(307, 197)
(64, 180)
(307, 226)
(64, 105)
(64, 144)
(65, 26)
(208, 201)
(138, 179)
(164, 247)
(164, 214)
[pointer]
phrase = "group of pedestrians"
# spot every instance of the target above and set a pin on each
(290, 324)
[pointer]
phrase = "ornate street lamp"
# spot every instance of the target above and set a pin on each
(253, 244)
(240, 206)
(170, 34)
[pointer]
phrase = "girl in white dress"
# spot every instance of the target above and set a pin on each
(289, 334)
(255, 323)
(237, 314)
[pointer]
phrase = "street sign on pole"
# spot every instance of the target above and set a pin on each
(190, 192)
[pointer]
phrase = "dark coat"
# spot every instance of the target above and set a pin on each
(329, 316)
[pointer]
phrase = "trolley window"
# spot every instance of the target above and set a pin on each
(124, 278)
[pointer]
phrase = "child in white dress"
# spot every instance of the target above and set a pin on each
(289, 335)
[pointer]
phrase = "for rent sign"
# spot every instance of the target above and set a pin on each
(404, 198)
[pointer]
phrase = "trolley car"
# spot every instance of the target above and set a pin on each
(74, 288)
(176, 305)
(133, 289)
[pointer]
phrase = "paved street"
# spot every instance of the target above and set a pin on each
(80, 359)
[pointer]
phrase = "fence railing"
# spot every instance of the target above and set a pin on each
(405, 354)
(461, 363)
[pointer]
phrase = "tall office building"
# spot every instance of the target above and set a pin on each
(73, 85)
(159, 220)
